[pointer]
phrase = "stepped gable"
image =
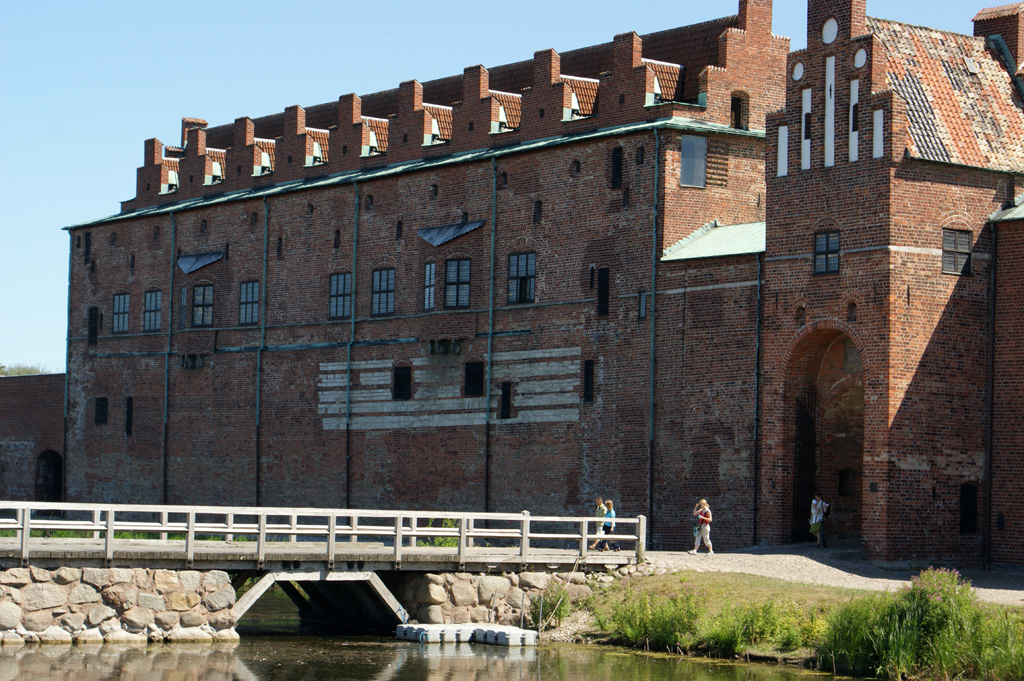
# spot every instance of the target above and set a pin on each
(962, 105)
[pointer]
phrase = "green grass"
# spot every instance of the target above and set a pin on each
(87, 534)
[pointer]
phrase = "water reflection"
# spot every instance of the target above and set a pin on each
(337, 659)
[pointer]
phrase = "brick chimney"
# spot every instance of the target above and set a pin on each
(1007, 21)
(756, 15)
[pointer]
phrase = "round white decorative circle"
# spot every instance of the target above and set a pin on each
(860, 58)
(798, 71)
(829, 31)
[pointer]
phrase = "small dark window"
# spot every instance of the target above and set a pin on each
(854, 117)
(183, 308)
(337, 238)
(341, 296)
(538, 211)
(94, 325)
(100, 412)
(622, 98)
(310, 209)
(433, 191)
(522, 274)
(254, 217)
(588, 380)
(456, 283)
(826, 252)
(617, 168)
(968, 508)
(202, 226)
(848, 482)
(1000, 522)
(405, 138)
(383, 297)
(202, 305)
(471, 125)
(369, 202)
(642, 305)
(120, 324)
(280, 247)
(474, 379)
(504, 180)
(956, 251)
(640, 156)
(398, 230)
(540, 114)
(575, 168)
(851, 312)
(602, 291)
(506, 400)
(129, 414)
(807, 125)
(131, 263)
(429, 272)
(156, 232)
(87, 253)
(249, 302)
(736, 114)
(592, 270)
(402, 389)
(151, 309)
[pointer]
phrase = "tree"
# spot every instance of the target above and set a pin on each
(23, 369)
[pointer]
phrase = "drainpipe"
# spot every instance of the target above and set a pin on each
(67, 362)
(757, 396)
(990, 424)
(654, 291)
(348, 352)
(263, 340)
(167, 358)
(490, 342)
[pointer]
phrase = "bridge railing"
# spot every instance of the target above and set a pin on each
(455, 536)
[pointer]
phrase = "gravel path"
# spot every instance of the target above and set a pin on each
(841, 565)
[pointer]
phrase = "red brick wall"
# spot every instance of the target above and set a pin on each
(31, 422)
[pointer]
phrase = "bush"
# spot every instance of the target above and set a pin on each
(669, 623)
(551, 608)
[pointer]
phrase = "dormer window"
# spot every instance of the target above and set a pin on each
(503, 125)
(265, 167)
(435, 133)
(217, 173)
(373, 150)
(172, 181)
(318, 156)
(657, 91)
(575, 107)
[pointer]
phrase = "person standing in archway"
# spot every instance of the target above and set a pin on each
(819, 509)
(703, 530)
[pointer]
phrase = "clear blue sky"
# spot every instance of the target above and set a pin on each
(82, 85)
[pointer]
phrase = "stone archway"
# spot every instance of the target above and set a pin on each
(49, 477)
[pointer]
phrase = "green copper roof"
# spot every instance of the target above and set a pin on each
(1011, 214)
(717, 241)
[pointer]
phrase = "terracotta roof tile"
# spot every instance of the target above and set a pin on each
(443, 116)
(961, 103)
(669, 79)
(321, 137)
(267, 146)
(585, 90)
(513, 105)
(193, 121)
(1010, 10)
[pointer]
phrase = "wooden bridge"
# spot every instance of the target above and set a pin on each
(336, 554)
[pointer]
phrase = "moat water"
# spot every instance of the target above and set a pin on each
(273, 648)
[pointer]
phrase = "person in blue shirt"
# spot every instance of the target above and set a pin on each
(609, 525)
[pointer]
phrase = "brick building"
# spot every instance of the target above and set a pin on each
(32, 437)
(524, 286)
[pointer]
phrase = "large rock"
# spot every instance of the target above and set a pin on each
(534, 580)
(122, 575)
(40, 574)
(434, 579)
(166, 580)
(463, 593)
(55, 634)
(84, 593)
(38, 621)
(89, 636)
(578, 592)
(74, 621)
(121, 596)
(98, 614)
(224, 619)
(11, 639)
(151, 601)
(189, 634)
(177, 600)
(226, 636)
(166, 620)
(489, 586)
(215, 578)
(109, 626)
(192, 619)
(431, 594)
(190, 580)
(143, 578)
(430, 614)
(16, 577)
(218, 600)
(137, 618)
(40, 596)
(126, 638)
(460, 615)
(98, 577)
(517, 598)
(479, 614)
(67, 575)
(10, 616)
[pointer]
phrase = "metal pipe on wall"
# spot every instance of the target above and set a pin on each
(263, 341)
(490, 341)
(990, 421)
(348, 349)
(757, 397)
(167, 361)
(651, 311)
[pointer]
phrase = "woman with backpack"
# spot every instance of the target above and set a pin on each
(819, 511)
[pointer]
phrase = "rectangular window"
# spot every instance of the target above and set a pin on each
(456, 283)
(854, 120)
(538, 211)
(87, 251)
(877, 133)
(642, 305)
(151, 308)
(202, 305)
(693, 160)
(184, 307)
(402, 388)
(429, 277)
(736, 113)
(120, 324)
(602, 291)
(129, 414)
(956, 251)
(782, 165)
(100, 412)
(968, 508)
(474, 379)
(522, 273)
(617, 168)
(94, 325)
(383, 302)
(588, 380)
(826, 252)
(341, 296)
(805, 134)
(249, 302)
(506, 400)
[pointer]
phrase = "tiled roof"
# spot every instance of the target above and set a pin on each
(586, 93)
(961, 102)
(218, 155)
(513, 105)
(379, 126)
(669, 79)
(267, 146)
(443, 116)
(171, 163)
(193, 121)
(321, 137)
(1001, 11)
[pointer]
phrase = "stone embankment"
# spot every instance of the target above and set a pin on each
(96, 605)
(461, 598)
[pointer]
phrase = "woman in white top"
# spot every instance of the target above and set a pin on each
(818, 507)
(703, 529)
